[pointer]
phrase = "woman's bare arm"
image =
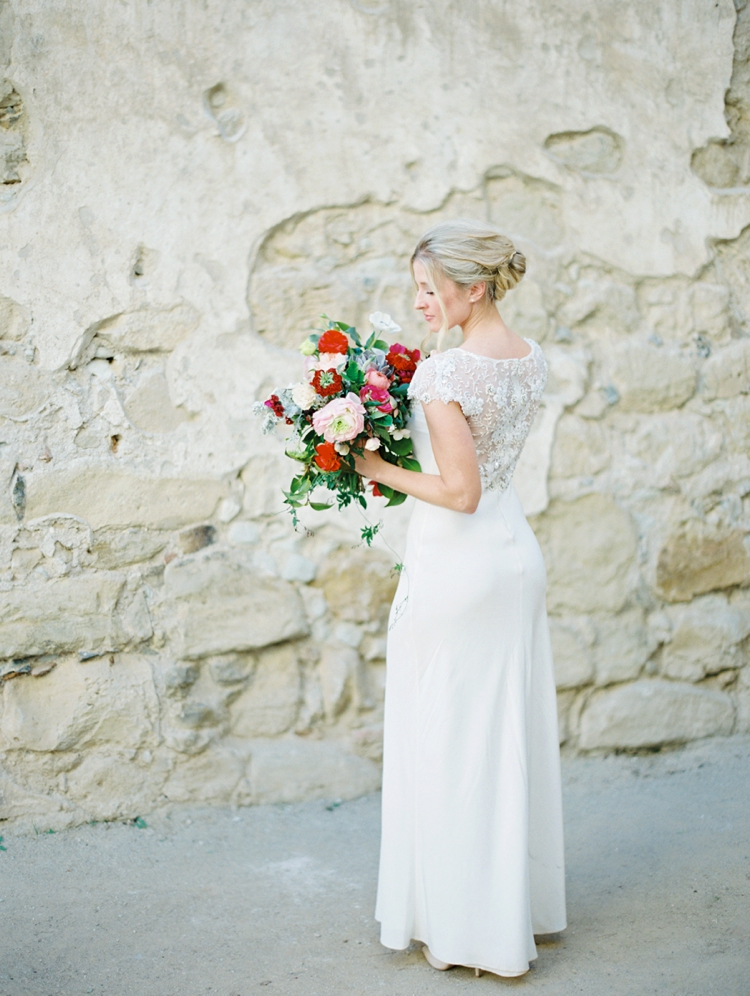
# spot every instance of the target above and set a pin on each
(458, 485)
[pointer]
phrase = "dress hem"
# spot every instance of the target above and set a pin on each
(504, 974)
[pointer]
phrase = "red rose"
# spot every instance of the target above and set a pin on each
(326, 457)
(275, 405)
(333, 341)
(404, 361)
(327, 382)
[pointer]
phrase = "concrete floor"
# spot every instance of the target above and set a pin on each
(279, 899)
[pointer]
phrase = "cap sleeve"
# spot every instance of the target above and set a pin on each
(438, 379)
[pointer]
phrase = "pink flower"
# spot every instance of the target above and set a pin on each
(341, 419)
(379, 394)
(375, 378)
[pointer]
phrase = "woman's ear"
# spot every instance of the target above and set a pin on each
(477, 291)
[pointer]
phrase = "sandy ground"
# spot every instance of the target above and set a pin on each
(279, 899)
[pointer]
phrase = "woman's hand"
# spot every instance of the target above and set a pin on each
(370, 465)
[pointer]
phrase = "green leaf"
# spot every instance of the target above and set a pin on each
(369, 533)
(409, 463)
(398, 498)
(380, 344)
(320, 506)
(354, 374)
(351, 332)
(403, 447)
(140, 823)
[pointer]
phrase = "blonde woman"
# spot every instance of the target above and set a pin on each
(472, 851)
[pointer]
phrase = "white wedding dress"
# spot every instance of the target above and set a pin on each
(472, 850)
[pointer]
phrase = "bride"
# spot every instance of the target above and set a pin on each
(471, 858)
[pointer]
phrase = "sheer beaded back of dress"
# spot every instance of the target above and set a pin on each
(498, 397)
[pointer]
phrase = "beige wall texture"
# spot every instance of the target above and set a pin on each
(186, 186)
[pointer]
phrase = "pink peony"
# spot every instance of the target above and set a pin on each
(340, 419)
(375, 378)
(378, 394)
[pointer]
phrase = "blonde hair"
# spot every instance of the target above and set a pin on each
(468, 252)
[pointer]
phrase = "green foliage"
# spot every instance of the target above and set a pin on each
(2, 846)
(369, 533)
(140, 823)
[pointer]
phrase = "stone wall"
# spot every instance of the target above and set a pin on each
(185, 187)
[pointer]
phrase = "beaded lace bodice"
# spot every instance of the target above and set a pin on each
(498, 397)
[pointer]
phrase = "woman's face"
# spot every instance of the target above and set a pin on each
(456, 300)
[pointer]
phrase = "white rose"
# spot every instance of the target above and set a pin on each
(383, 323)
(342, 448)
(304, 395)
(372, 444)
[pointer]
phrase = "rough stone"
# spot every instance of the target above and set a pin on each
(727, 372)
(706, 637)
(710, 304)
(270, 703)
(243, 532)
(115, 548)
(66, 614)
(196, 538)
(215, 775)
(230, 669)
(696, 557)
(81, 705)
(263, 478)
(216, 602)
(14, 320)
(742, 701)
(572, 650)
(649, 713)
(287, 770)
(669, 447)
(112, 784)
(149, 407)
(149, 330)
(650, 379)
(105, 497)
(338, 667)
(23, 387)
(594, 151)
(299, 568)
(580, 448)
(589, 545)
(623, 645)
(358, 584)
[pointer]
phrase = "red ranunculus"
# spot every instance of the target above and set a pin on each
(275, 405)
(327, 382)
(404, 361)
(333, 341)
(376, 492)
(326, 457)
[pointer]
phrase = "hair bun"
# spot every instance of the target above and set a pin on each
(517, 263)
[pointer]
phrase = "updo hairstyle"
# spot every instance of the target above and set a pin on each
(468, 252)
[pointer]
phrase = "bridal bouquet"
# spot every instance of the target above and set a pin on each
(353, 397)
